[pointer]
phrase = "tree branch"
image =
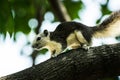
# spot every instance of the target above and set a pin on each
(96, 63)
(60, 10)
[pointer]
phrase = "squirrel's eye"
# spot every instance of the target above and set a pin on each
(39, 38)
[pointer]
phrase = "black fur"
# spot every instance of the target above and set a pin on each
(64, 29)
(107, 22)
(45, 32)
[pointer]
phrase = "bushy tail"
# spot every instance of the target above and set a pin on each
(110, 27)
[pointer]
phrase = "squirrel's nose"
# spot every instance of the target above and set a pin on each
(34, 46)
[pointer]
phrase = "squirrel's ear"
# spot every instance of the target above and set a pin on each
(46, 33)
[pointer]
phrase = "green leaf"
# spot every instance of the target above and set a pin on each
(73, 7)
(24, 11)
(104, 10)
(6, 18)
(43, 51)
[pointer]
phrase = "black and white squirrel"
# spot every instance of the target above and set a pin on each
(75, 35)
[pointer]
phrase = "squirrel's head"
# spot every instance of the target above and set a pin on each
(41, 40)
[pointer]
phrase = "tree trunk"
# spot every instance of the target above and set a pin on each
(78, 64)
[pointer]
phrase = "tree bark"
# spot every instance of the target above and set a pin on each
(98, 62)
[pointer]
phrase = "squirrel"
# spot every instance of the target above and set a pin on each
(76, 35)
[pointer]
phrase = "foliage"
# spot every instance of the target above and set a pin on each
(104, 10)
(73, 5)
(15, 14)
(6, 19)
(43, 51)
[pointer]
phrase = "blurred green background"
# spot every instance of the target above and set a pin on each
(21, 20)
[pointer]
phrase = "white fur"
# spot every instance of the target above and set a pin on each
(80, 37)
(112, 30)
(72, 41)
(75, 39)
(45, 42)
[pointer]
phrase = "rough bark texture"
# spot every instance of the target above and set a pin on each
(96, 63)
